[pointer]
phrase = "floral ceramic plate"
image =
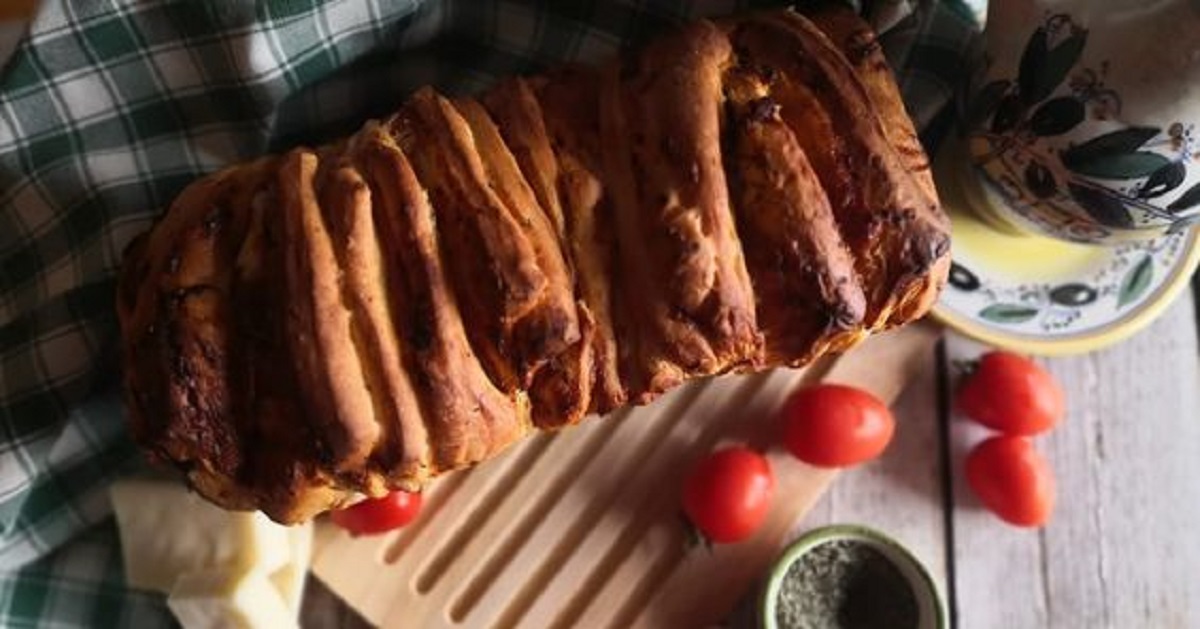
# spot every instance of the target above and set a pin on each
(1045, 296)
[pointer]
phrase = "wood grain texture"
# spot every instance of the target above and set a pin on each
(1118, 552)
(901, 493)
(581, 528)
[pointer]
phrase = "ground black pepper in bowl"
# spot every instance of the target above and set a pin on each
(845, 584)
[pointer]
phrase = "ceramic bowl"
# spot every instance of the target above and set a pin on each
(931, 610)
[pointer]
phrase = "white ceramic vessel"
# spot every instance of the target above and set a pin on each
(1081, 125)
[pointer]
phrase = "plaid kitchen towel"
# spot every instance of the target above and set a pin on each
(108, 108)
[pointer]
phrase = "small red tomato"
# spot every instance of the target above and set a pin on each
(1012, 480)
(727, 494)
(1012, 394)
(834, 425)
(379, 515)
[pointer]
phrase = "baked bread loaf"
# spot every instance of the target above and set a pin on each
(311, 327)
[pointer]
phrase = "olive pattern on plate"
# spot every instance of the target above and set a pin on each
(1098, 296)
(1142, 164)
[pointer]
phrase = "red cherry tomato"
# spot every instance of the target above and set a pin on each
(727, 494)
(1012, 480)
(379, 515)
(1011, 394)
(833, 425)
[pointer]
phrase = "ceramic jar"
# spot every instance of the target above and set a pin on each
(1082, 124)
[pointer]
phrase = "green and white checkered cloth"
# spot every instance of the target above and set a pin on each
(108, 108)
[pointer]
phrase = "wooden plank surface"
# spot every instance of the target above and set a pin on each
(581, 528)
(901, 493)
(1120, 551)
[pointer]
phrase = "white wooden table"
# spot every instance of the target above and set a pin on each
(1120, 551)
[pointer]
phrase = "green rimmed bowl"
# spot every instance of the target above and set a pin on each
(931, 611)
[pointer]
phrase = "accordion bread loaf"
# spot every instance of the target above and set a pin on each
(309, 328)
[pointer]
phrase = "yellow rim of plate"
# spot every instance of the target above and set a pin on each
(1120, 329)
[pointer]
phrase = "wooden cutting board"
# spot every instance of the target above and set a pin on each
(582, 528)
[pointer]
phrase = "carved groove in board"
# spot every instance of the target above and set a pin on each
(619, 441)
(428, 574)
(583, 571)
(584, 450)
(570, 614)
(648, 481)
(609, 536)
(503, 521)
(595, 574)
(434, 499)
(756, 434)
(663, 566)
(569, 542)
(648, 507)
(394, 539)
(761, 434)
(653, 512)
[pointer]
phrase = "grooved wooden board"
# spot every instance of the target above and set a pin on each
(581, 528)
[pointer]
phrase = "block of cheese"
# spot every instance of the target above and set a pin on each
(167, 531)
(289, 579)
(229, 599)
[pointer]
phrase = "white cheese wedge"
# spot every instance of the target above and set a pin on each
(289, 579)
(167, 531)
(229, 599)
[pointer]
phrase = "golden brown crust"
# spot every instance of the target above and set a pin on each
(329, 369)
(402, 448)
(859, 44)
(281, 443)
(809, 300)
(490, 261)
(467, 416)
(890, 224)
(861, 48)
(686, 291)
(302, 330)
(561, 391)
(175, 316)
(550, 326)
(518, 116)
(589, 375)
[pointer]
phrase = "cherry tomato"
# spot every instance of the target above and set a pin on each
(727, 494)
(1012, 480)
(1011, 394)
(833, 425)
(379, 515)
